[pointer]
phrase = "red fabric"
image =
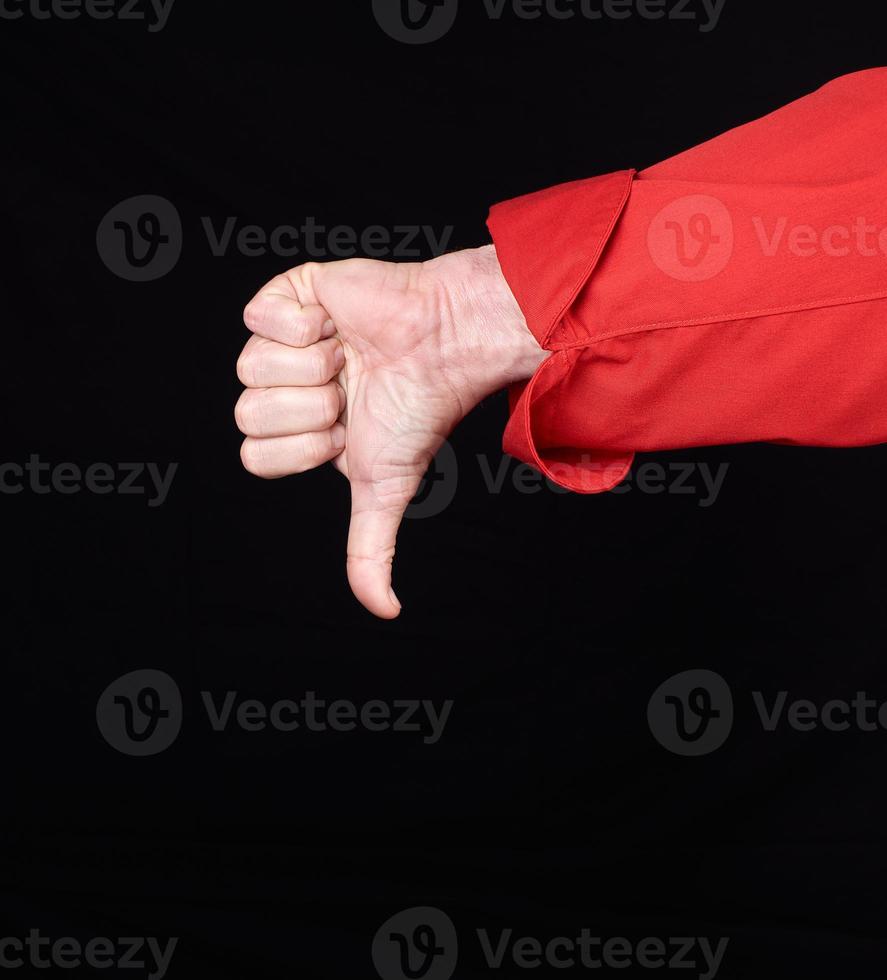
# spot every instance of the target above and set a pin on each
(734, 293)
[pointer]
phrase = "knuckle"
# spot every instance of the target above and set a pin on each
(246, 415)
(241, 415)
(307, 275)
(253, 457)
(250, 314)
(248, 369)
(307, 271)
(254, 314)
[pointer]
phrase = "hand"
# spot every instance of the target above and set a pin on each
(371, 365)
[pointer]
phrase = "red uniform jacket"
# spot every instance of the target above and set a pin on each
(734, 293)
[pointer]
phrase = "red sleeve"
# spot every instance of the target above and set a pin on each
(734, 293)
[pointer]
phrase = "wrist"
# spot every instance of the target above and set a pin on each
(486, 338)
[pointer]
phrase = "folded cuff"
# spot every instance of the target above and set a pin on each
(549, 244)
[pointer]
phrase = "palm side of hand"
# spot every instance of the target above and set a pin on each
(369, 365)
(400, 405)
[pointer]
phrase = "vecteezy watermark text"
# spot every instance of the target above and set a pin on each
(127, 953)
(595, 952)
(141, 714)
(141, 239)
(126, 479)
(684, 479)
(692, 712)
(859, 237)
(424, 21)
(423, 943)
(315, 714)
(313, 240)
(154, 13)
(694, 238)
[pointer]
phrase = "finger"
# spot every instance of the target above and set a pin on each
(275, 313)
(298, 283)
(286, 455)
(267, 364)
(264, 412)
(371, 544)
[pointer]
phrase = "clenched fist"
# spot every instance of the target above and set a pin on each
(370, 365)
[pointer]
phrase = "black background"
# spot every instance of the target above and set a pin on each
(547, 619)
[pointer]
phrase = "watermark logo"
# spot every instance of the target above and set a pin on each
(691, 713)
(692, 239)
(140, 239)
(503, 474)
(438, 486)
(140, 714)
(416, 21)
(422, 944)
(416, 944)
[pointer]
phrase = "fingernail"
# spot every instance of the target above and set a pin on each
(394, 598)
(339, 358)
(328, 330)
(343, 399)
(338, 436)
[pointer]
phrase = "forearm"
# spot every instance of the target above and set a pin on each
(484, 333)
(737, 292)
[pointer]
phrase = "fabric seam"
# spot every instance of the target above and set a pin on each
(724, 318)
